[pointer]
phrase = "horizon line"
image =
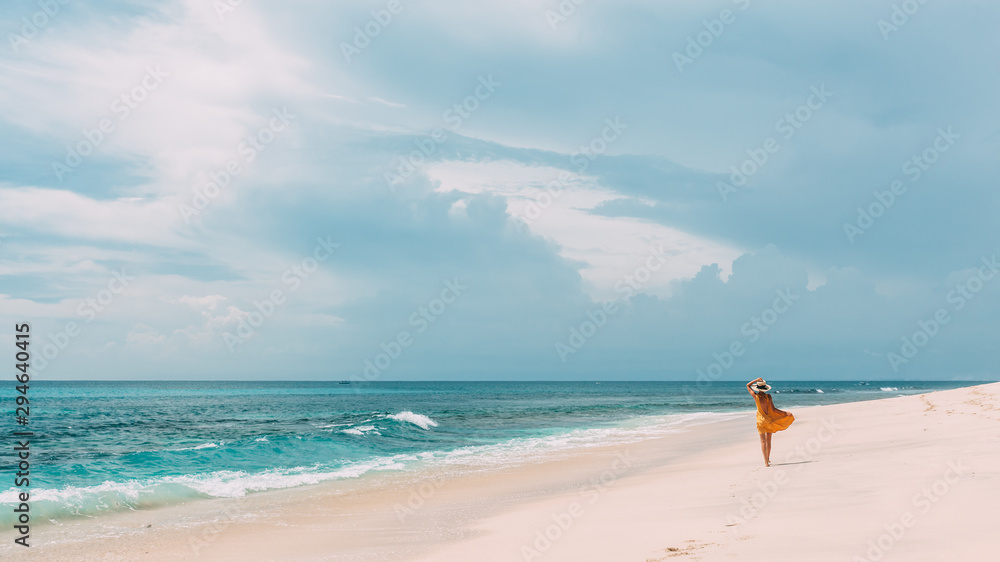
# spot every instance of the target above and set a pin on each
(509, 380)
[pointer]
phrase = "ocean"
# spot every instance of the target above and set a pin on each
(103, 447)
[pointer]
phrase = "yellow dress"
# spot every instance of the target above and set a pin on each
(769, 418)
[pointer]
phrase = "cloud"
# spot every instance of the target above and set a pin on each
(209, 302)
(608, 248)
(69, 214)
(477, 204)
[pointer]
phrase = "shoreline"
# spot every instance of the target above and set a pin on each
(683, 491)
(117, 495)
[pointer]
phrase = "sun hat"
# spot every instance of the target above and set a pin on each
(762, 387)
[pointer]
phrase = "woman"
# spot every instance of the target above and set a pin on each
(769, 418)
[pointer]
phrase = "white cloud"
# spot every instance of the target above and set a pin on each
(209, 302)
(610, 247)
(217, 76)
(387, 103)
(142, 335)
(76, 216)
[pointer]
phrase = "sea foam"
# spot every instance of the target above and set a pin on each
(360, 430)
(129, 495)
(419, 420)
(134, 494)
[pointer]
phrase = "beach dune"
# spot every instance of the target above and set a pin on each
(905, 478)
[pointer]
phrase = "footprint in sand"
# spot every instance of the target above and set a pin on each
(690, 550)
(930, 407)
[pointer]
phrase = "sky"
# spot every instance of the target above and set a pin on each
(527, 190)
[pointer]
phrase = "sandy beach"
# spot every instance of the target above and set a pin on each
(904, 478)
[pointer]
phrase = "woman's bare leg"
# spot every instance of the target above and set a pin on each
(767, 448)
(764, 448)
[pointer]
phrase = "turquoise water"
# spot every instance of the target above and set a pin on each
(101, 447)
